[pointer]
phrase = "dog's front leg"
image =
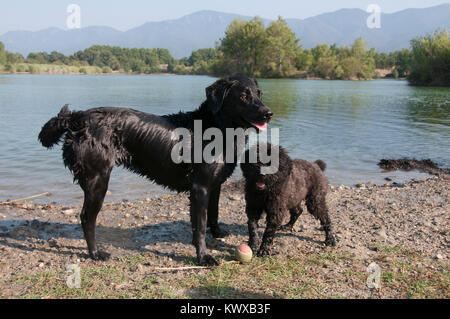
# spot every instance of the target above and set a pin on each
(253, 218)
(273, 223)
(213, 214)
(199, 209)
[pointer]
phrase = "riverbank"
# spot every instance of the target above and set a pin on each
(401, 227)
(61, 69)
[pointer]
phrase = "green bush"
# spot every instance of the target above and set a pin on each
(21, 68)
(430, 60)
(106, 69)
(10, 68)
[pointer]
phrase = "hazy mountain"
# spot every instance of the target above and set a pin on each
(397, 29)
(203, 28)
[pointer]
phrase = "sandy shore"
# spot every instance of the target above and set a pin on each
(402, 227)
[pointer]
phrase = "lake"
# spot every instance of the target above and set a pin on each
(350, 125)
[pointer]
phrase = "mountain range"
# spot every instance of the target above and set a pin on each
(202, 29)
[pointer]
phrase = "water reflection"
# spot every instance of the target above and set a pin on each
(350, 125)
(429, 105)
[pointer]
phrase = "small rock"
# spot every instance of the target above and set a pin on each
(439, 256)
(68, 212)
(108, 193)
(52, 242)
(360, 185)
(127, 215)
(382, 234)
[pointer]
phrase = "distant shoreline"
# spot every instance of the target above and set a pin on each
(57, 69)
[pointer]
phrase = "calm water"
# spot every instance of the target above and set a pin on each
(350, 125)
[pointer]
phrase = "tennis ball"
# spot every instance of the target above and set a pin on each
(244, 253)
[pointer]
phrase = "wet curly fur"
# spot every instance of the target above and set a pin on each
(295, 181)
(98, 139)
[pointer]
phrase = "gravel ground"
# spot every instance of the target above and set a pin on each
(414, 216)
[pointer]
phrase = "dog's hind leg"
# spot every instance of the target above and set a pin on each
(95, 188)
(295, 214)
(213, 214)
(318, 208)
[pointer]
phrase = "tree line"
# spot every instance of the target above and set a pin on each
(251, 48)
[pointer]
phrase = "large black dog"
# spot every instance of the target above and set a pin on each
(295, 181)
(98, 139)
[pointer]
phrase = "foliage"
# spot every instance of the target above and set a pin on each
(252, 49)
(430, 60)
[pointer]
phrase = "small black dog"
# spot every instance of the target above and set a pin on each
(98, 139)
(296, 180)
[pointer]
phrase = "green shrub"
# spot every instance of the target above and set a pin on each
(106, 69)
(21, 68)
(10, 68)
(430, 60)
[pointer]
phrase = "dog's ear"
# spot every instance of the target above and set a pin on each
(216, 94)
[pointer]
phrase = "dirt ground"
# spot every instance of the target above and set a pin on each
(404, 228)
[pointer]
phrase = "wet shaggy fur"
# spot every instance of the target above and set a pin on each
(295, 181)
(98, 139)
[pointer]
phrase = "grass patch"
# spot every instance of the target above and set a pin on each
(328, 274)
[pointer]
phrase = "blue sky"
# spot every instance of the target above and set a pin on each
(123, 15)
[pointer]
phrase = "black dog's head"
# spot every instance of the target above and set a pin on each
(237, 100)
(252, 171)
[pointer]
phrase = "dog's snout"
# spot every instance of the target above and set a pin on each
(268, 115)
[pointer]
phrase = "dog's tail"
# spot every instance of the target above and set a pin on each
(53, 130)
(321, 164)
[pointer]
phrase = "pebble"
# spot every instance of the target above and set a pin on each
(68, 212)
(382, 234)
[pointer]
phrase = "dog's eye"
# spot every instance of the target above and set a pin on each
(244, 97)
(260, 94)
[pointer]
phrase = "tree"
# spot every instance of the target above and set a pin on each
(243, 46)
(430, 60)
(2, 53)
(282, 48)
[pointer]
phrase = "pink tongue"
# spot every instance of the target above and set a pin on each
(260, 185)
(261, 127)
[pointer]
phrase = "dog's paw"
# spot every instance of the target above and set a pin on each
(100, 255)
(218, 233)
(207, 260)
(254, 245)
(263, 252)
(330, 241)
(287, 227)
(254, 248)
